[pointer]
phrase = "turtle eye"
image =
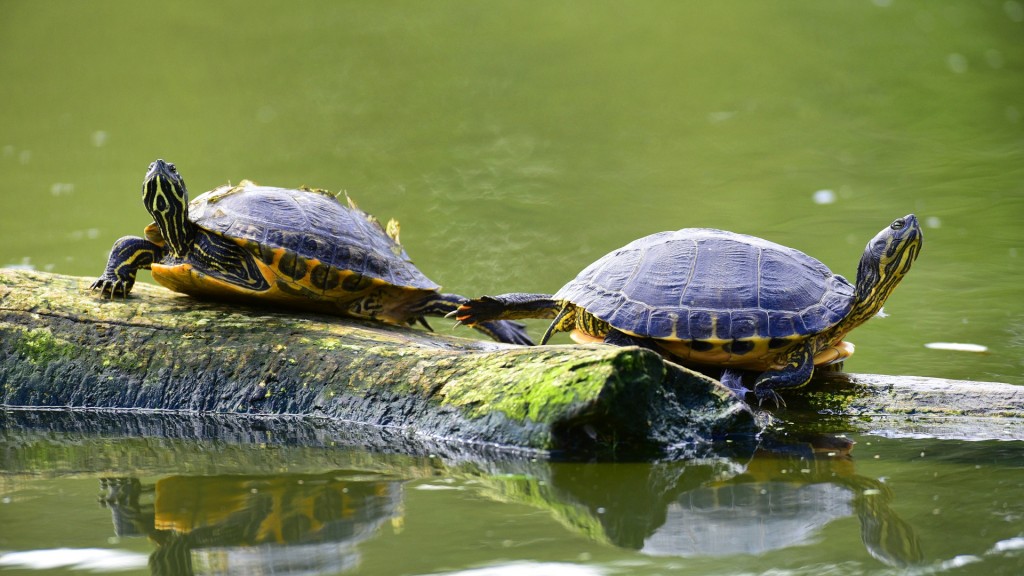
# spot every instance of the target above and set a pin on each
(173, 169)
(899, 224)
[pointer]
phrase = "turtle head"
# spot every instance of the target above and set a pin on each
(885, 262)
(166, 199)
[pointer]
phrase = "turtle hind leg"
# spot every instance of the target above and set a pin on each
(485, 312)
(618, 338)
(127, 256)
(499, 329)
(481, 313)
(798, 371)
(507, 331)
(514, 306)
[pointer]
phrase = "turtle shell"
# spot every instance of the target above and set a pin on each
(307, 226)
(700, 284)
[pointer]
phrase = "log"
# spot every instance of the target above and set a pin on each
(910, 406)
(62, 346)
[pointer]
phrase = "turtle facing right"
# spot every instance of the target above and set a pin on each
(706, 297)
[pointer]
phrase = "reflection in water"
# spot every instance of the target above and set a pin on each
(783, 499)
(124, 496)
(783, 496)
(288, 524)
(747, 518)
(232, 515)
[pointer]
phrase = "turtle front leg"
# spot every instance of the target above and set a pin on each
(128, 255)
(452, 304)
(797, 372)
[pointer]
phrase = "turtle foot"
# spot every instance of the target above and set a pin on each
(507, 331)
(764, 394)
(111, 287)
(483, 309)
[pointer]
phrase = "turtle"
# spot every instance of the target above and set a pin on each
(708, 298)
(300, 248)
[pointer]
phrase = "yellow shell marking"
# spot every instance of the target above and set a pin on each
(313, 287)
(585, 328)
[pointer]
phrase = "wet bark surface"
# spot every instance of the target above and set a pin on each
(62, 346)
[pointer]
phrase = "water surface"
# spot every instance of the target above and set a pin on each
(219, 495)
(518, 142)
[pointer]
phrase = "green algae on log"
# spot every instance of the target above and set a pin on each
(62, 346)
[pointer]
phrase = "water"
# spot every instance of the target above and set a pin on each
(222, 495)
(518, 142)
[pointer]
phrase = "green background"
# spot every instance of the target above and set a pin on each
(519, 141)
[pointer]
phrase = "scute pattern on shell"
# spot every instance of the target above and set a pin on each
(700, 283)
(310, 224)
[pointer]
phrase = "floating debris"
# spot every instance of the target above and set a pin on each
(824, 197)
(62, 188)
(957, 63)
(957, 346)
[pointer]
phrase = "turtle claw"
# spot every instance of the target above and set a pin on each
(452, 315)
(478, 310)
(112, 287)
(769, 394)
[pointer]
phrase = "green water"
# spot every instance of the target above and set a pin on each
(518, 142)
(170, 494)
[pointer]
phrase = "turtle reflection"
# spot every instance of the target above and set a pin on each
(235, 524)
(783, 496)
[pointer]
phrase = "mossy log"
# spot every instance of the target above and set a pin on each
(61, 345)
